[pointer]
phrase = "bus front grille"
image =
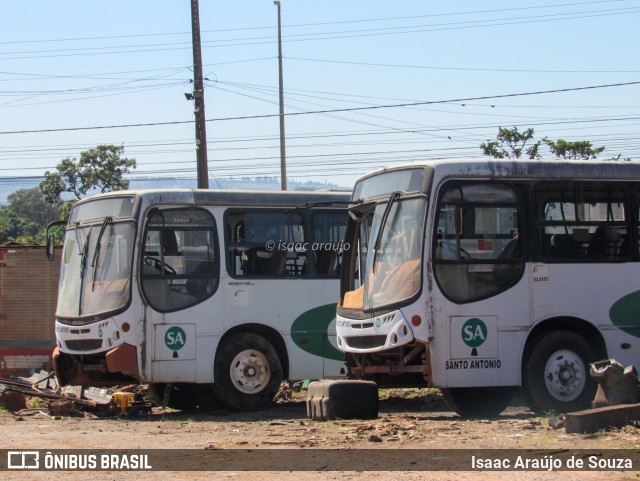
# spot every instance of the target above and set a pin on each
(84, 344)
(366, 342)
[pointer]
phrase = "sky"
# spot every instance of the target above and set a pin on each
(367, 83)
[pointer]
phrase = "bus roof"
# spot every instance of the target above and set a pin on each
(523, 168)
(208, 197)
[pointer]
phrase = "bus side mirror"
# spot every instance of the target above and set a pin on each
(51, 245)
(50, 248)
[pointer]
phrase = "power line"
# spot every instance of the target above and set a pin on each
(314, 112)
(247, 41)
(382, 19)
(463, 69)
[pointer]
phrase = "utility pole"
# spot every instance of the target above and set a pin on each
(198, 97)
(283, 159)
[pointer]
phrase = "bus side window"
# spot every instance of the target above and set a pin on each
(478, 250)
(328, 231)
(187, 271)
(584, 222)
(265, 243)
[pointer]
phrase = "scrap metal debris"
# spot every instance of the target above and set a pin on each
(616, 403)
(616, 384)
(67, 400)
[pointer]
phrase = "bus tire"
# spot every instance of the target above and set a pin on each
(556, 373)
(247, 372)
(476, 402)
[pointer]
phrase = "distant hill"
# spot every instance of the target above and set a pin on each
(9, 185)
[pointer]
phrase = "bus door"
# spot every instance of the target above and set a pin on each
(178, 272)
(478, 267)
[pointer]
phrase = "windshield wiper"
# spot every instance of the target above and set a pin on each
(383, 221)
(83, 266)
(94, 263)
(83, 255)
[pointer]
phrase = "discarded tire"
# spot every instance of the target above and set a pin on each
(342, 400)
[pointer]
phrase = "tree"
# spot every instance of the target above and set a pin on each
(100, 169)
(511, 143)
(30, 204)
(14, 228)
(580, 149)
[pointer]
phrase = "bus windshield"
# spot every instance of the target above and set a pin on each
(96, 269)
(389, 243)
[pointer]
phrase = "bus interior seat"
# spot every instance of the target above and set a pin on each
(625, 247)
(326, 263)
(598, 244)
(170, 243)
(563, 247)
(198, 287)
(276, 264)
(504, 274)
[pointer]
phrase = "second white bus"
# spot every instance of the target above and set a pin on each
(482, 277)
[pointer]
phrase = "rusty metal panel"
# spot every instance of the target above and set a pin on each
(593, 420)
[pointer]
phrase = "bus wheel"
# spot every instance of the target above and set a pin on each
(475, 402)
(556, 373)
(247, 372)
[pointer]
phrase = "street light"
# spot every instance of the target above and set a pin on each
(283, 160)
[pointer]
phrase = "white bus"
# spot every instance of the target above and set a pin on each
(484, 276)
(201, 294)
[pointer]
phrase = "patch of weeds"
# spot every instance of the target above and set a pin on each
(550, 414)
(627, 446)
(37, 403)
(178, 420)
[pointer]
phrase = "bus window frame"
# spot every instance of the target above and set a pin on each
(339, 255)
(212, 228)
(520, 261)
(630, 194)
(230, 247)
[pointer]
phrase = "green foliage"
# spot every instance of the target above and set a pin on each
(29, 211)
(65, 209)
(101, 169)
(30, 204)
(19, 230)
(511, 143)
(581, 149)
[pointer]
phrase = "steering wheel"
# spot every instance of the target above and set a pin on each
(157, 264)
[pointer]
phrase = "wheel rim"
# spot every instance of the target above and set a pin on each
(250, 371)
(565, 375)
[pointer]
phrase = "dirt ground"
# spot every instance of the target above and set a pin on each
(408, 419)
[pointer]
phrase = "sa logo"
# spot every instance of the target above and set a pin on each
(474, 332)
(175, 339)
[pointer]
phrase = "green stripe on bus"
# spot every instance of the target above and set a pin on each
(310, 332)
(625, 313)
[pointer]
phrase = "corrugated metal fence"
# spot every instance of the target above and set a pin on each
(28, 294)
